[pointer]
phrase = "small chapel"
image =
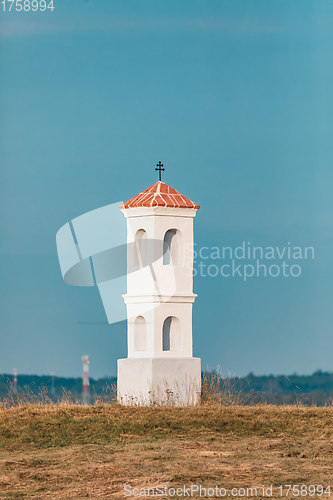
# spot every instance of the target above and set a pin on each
(160, 366)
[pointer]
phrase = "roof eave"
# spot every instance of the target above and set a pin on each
(158, 211)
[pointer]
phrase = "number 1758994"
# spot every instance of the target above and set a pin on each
(27, 5)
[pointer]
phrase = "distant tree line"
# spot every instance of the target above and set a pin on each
(55, 388)
(281, 389)
(314, 389)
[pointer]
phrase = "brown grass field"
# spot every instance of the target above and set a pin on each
(77, 452)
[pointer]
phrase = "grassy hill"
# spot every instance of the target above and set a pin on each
(76, 452)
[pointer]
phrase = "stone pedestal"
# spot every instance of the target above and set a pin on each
(148, 381)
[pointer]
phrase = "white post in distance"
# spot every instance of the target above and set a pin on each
(85, 381)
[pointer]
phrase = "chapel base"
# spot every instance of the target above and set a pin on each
(161, 381)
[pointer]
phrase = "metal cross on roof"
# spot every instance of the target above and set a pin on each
(159, 168)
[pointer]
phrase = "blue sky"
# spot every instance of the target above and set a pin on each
(235, 98)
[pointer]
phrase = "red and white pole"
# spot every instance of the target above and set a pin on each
(85, 381)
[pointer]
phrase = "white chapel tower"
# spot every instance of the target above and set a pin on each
(160, 366)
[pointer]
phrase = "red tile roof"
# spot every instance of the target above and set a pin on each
(160, 195)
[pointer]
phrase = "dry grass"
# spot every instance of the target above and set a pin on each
(76, 452)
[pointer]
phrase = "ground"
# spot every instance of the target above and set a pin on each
(76, 452)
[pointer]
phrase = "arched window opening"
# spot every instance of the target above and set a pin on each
(171, 334)
(173, 248)
(141, 249)
(140, 334)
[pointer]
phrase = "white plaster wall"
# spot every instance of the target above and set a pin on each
(173, 280)
(146, 310)
(140, 281)
(155, 315)
(182, 311)
(134, 381)
(146, 381)
(162, 279)
(157, 292)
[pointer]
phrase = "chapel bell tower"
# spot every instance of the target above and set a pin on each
(160, 366)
